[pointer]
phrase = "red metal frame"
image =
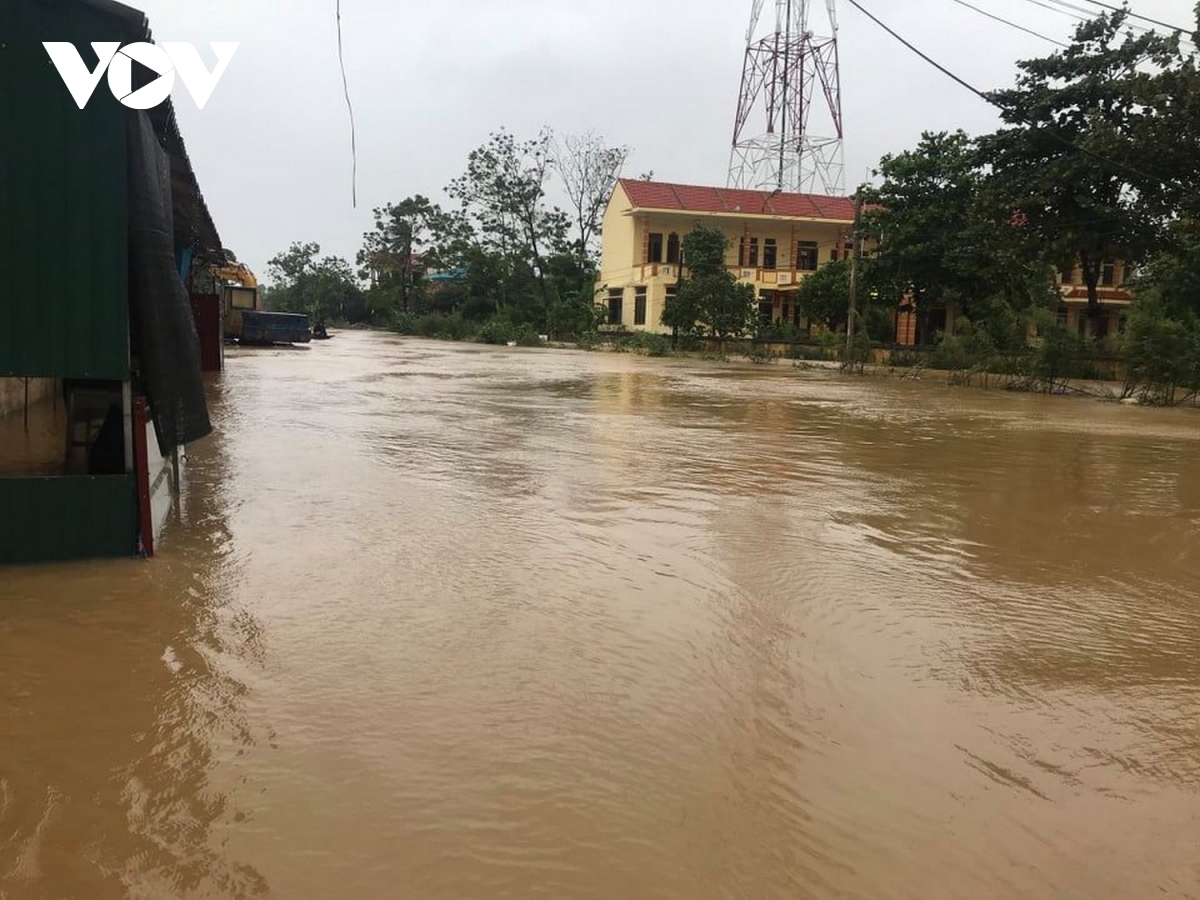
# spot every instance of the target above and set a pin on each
(141, 465)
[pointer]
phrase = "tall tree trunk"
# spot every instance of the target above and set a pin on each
(1090, 265)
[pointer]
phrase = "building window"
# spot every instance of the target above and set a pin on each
(654, 252)
(1060, 316)
(770, 253)
(673, 249)
(845, 251)
(672, 291)
(766, 307)
(615, 298)
(1108, 274)
(748, 253)
(806, 255)
(639, 306)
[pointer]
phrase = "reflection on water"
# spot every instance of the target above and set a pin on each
(447, 621)
(117, 686)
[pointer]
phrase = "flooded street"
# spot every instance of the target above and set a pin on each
(445, 621)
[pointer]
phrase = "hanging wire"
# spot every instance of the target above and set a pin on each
(1078, 14)
(350, 107)
(1135, 15)
(988, 99)
(1037, 34)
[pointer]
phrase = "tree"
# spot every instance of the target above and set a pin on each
(681, 313)
(723, 306)
(824, 296)
(388, 258)
(504, 192)
(1073, 158)
(320, 287)
(589, 171)
(920, 213)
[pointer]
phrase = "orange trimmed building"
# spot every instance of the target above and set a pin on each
(776, 240)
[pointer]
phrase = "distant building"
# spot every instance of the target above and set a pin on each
(1113, 295)
(775, 241)
(1072, 310)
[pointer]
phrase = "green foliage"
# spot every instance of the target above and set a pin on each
(760, 355)
(906, 359)
(497, 331)
(434, 325)
(409, 238)
(1072, 158)
(1056, 354)
(811, 352)
(681, 313)
(646, 343)
(969, 347)
(1162, 354)
(942, 245)
(721, 305)
(505, 248)
(323, 288)
(824, 296)
(780, 331)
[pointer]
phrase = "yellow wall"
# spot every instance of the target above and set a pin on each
(626, 232)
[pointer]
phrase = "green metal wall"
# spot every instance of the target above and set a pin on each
(67, 518)
(64, 308)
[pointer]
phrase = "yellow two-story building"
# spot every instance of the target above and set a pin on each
(775, 239)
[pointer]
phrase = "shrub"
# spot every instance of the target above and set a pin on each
(780, 331)
(404, 323)
(905, 359)
(527, 336)
(648, 344)
(759, 354)
(496, 331)
(811, 352)
(435, 325)
(1163, 355)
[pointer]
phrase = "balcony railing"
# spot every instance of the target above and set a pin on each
(755, 274)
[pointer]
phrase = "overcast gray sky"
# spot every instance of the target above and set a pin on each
(431, 80)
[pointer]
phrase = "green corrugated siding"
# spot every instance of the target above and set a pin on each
(56, 519)
(64, 308)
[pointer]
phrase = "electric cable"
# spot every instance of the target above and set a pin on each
(987, 99)
(350, 107)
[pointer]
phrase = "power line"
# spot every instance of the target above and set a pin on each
(350, 107)
(1139, 16)
(1077, 14)
(981, 95)
(1062, 12)
(1070, 9)
(1036, 34)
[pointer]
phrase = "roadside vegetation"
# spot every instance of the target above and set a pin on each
(1097, 160)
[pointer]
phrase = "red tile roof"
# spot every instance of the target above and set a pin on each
(692, 198)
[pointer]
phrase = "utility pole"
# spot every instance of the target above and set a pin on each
(855, 254)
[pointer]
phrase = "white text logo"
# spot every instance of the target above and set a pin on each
(166, 61)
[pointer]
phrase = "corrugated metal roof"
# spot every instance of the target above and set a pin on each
(64, 255)
(697, 198)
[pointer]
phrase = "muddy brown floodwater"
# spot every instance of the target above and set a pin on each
(441, 621)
